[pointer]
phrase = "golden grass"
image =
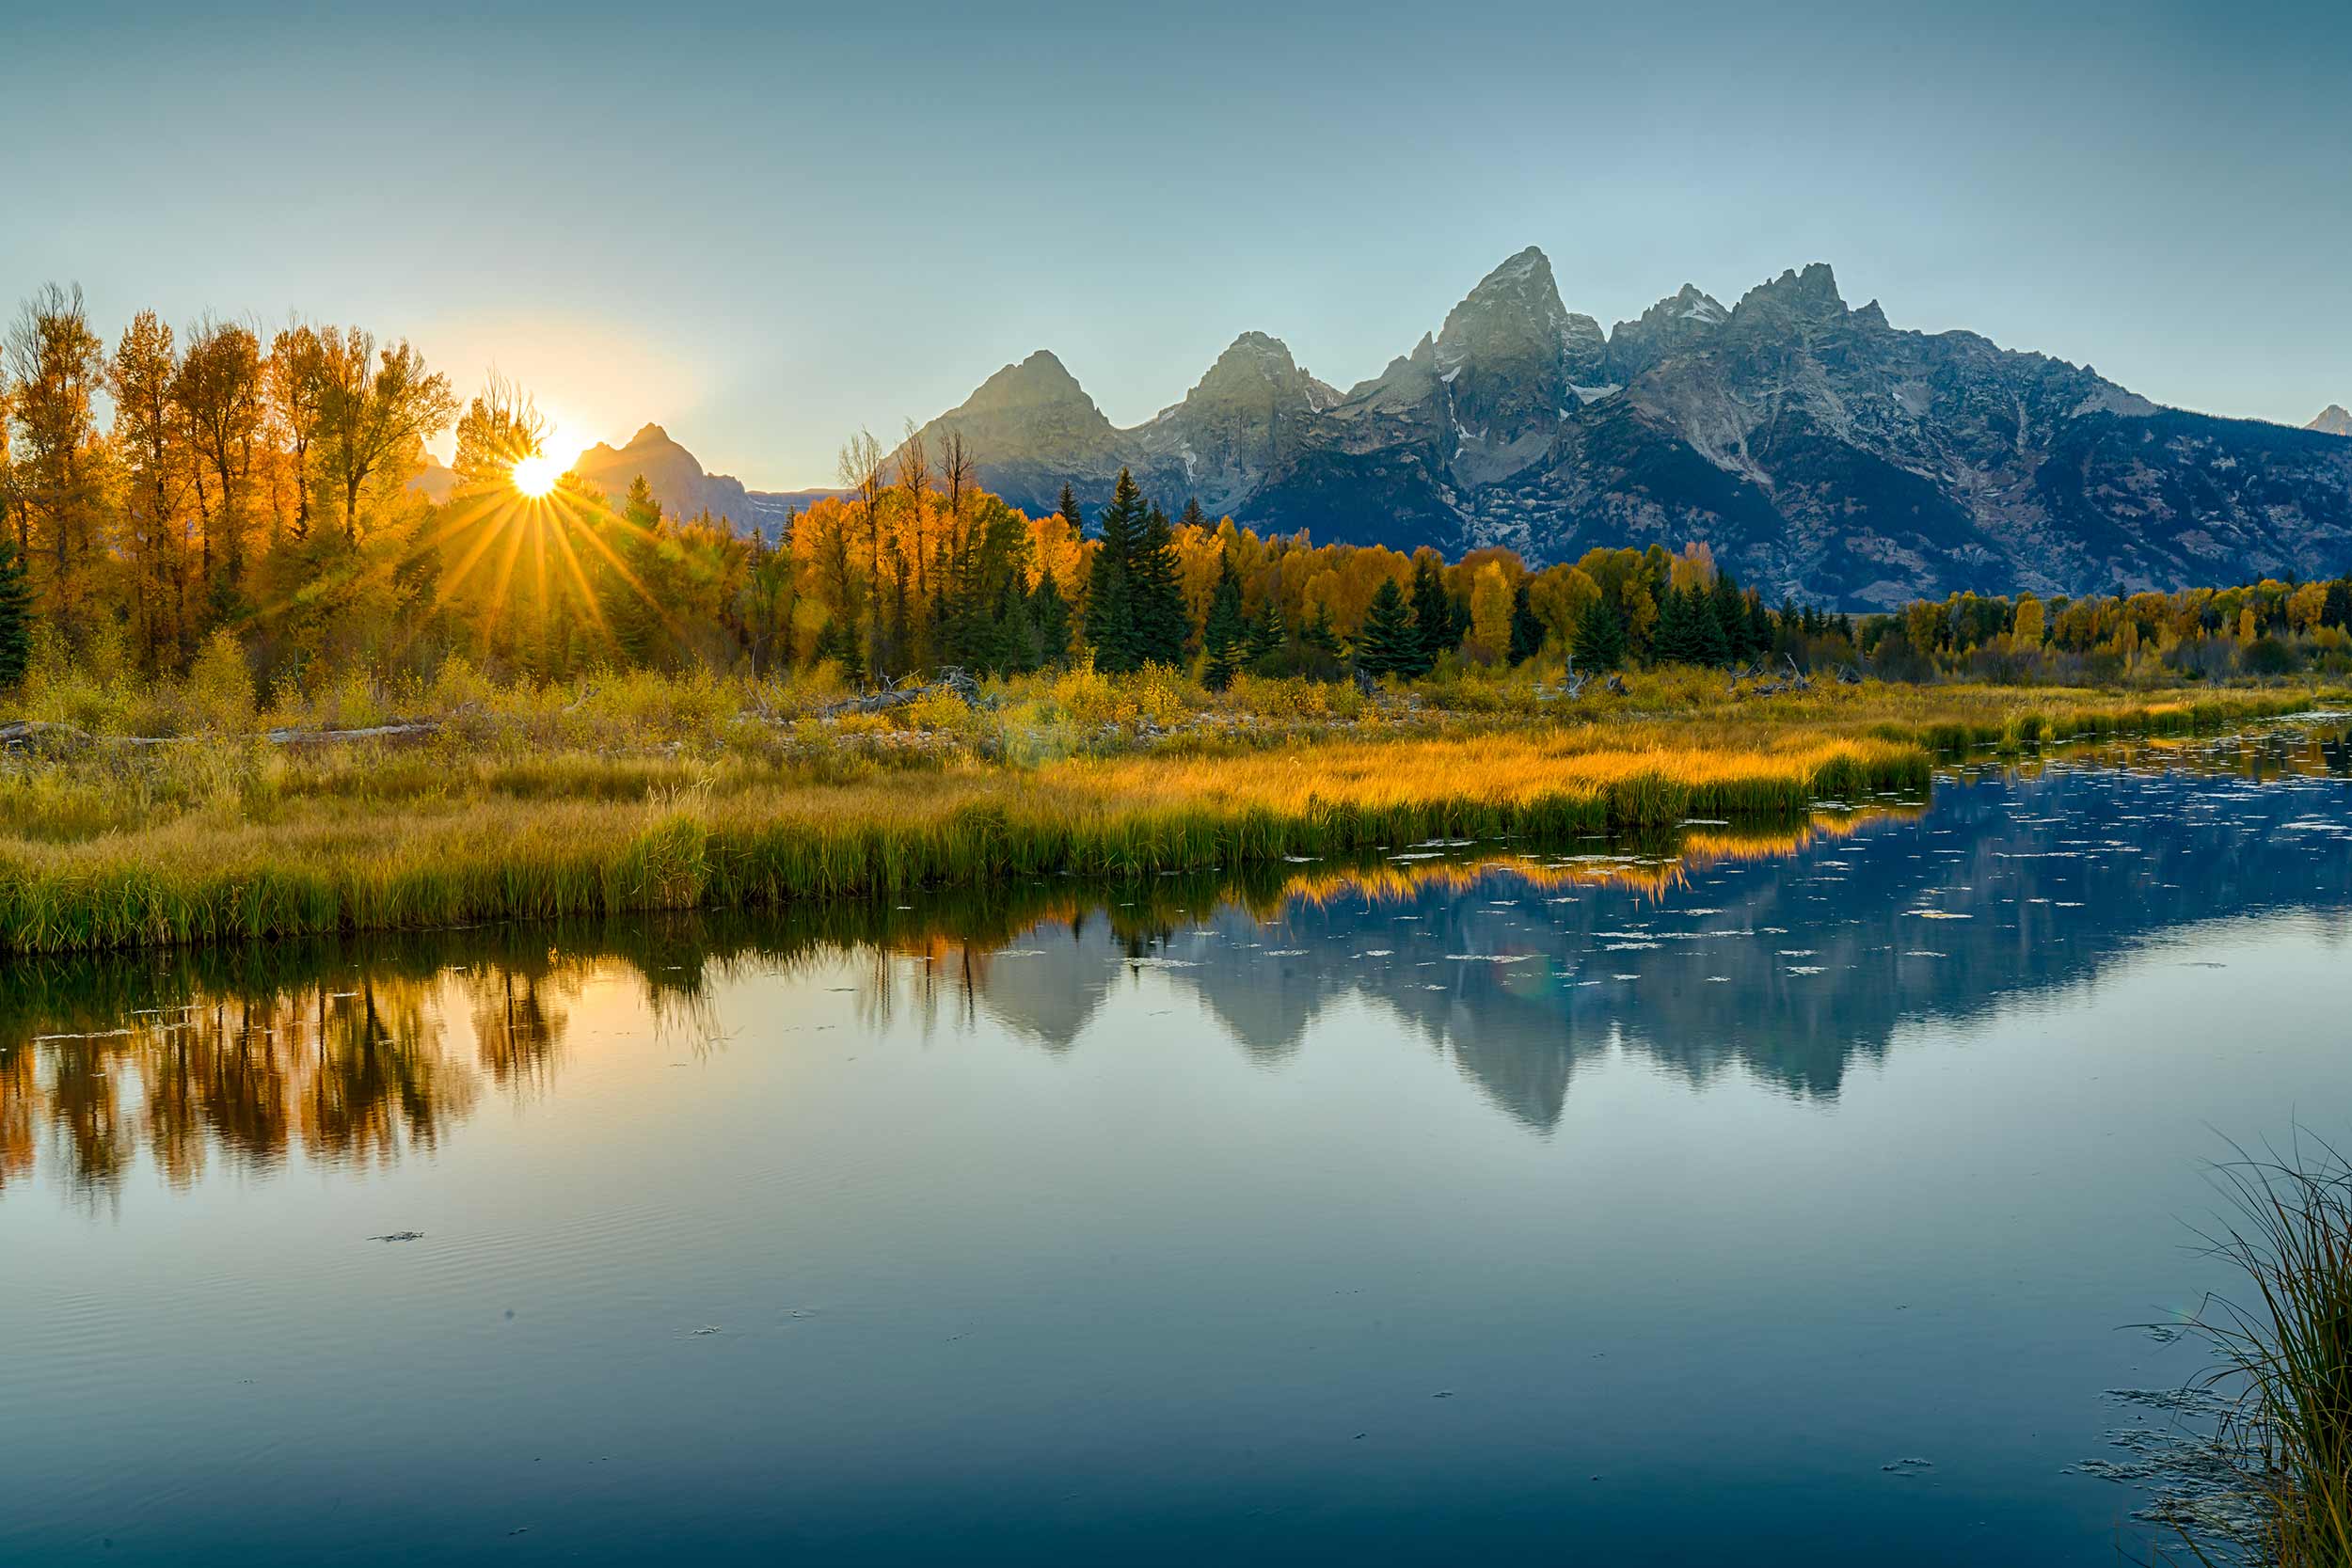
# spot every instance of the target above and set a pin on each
(319, 865)
(522, 808)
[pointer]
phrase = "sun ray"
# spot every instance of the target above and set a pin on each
(579, 581)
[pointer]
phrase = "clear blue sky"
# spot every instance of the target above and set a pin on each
(765, 226)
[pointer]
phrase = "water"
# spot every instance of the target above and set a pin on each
(1774, 1198)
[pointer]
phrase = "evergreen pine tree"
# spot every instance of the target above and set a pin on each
(1432, 617)
(1730, 609)
(1676, 639)
(839, 642)
(1599, 639)
(1049, 613)
(1527, 631)
(1221, 635)
(1110, 590)
(16, 616)
(1013, 637)
(1708, 629)
(1322, 634)
(1071, 513)
(1270, 633)
(1194, 517)
(900, 636)
(1155, 584)
(1390, 644)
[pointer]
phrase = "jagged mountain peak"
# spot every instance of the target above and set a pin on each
(676, 476)
(1257, 367)
(1254, 354)
(1675, 324)
(2334, 420)
(1529, 264)
(1811, 293)
(1689, 303)
(1034, 414)
(1511, 357)
(1520, 290)
(1693, 302)
(1041, 378)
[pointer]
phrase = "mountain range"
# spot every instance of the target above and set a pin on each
(1820, 451)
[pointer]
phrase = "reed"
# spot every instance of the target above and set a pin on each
(2286, 1354)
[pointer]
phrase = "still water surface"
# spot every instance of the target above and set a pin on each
(1780, 1198)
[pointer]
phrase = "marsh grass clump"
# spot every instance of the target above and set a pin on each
(2286, 1354)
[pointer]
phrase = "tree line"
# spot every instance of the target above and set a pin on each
(218, 486)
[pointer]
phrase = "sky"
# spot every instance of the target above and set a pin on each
(765, 226)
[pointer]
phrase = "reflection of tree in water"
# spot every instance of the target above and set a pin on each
(341, 1072)
(379, 1080)
(516, 1028)
(355, 1050)
(361, 1050)
(16, 1113)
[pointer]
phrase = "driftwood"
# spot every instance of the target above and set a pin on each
(1797, 681)
(952, 680)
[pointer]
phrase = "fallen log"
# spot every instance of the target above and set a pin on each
(26, 735)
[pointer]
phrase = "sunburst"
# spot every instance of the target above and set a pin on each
(537, 474)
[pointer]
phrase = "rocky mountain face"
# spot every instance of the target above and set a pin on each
(1819, 450)
(677, 480)
(2334, 420)
(433, 479)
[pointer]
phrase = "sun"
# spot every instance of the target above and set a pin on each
(535, 476)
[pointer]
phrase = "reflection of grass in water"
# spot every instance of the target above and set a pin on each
(2286, 1353)
(1654, 863)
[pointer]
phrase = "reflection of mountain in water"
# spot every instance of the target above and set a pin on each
(1789, 968)
(1786, 954)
